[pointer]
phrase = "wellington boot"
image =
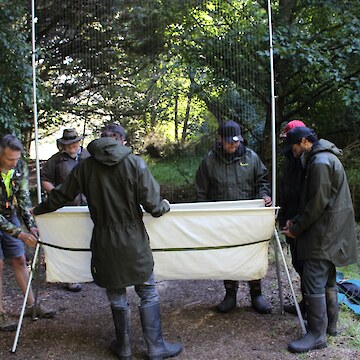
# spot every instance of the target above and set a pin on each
(332, 306)
(121, 347)
(315, 338)
(291, 309)
(258, 302)
(158, 348)
(229, 301)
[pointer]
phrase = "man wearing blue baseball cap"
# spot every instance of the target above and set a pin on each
(324, 233)
(234, 172)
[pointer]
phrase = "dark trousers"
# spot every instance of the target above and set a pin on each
(297, 264)
(317, 276)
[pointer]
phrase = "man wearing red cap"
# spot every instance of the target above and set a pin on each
(290, 125)
(234, 172)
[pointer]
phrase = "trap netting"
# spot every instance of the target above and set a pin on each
(170, 72)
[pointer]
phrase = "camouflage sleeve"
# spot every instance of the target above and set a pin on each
(23, 198)
(7, 226)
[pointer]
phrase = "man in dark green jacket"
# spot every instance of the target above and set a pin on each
(234, 172)
(324, 231)
(116, 184)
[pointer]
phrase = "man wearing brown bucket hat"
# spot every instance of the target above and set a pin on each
(59, 166)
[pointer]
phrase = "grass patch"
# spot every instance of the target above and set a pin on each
(353, 271)
(177, 172)
(350, 271)
(349, 327)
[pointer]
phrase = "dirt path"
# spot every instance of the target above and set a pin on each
(83, 327)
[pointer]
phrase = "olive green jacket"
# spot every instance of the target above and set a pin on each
(243, 177)
(115, 183)
(325, 226)
(19, 201)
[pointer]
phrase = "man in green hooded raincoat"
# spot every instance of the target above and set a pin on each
(116, 184)
(324, 233)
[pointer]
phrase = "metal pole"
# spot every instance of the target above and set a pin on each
(35, 268)
(13, 349)
(278, 274)
(273, 118)
(35, 110)
(273, 142)
(37, 249)
(301, 320)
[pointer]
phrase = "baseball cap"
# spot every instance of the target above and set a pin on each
(294, 135)
(230, 131)
(114, 128)
(290, 125)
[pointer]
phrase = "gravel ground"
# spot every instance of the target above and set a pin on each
(83, 327)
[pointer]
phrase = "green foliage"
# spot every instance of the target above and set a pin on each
(222, 41)
(316, 49)
(351, 161)
(157, 145)
(172, 66)
(15, 70)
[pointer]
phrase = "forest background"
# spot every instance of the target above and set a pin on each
(171, 70)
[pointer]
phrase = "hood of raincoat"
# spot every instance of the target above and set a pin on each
(108, 151)
(321, 146)
(325, 145)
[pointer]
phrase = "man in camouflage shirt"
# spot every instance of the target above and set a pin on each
(15, 197)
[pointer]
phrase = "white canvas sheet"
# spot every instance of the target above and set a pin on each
(192, 241)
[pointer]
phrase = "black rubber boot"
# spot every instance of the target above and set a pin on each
(158, 348)
(229, 302)
(121, 347)
(290, 309)
(332, 306)
(315, 338)
(258, 301)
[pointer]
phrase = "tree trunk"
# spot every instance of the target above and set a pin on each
(176, 120)
(27, 135)
(186, 120)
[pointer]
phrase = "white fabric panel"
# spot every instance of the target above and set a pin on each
(70, 227)
(195, 233)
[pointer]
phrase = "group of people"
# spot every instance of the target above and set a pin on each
(317, 220)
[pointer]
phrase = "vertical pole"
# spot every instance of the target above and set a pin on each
(273, 142)
(36, 265)
(35, 110)
(17, 334)
(297, 307)
(273, 118)
(37, 249)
